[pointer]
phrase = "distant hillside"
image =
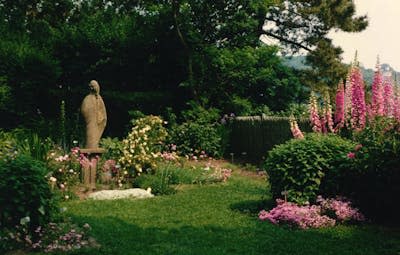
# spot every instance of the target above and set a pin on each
(298, 62)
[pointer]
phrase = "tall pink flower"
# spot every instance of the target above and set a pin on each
(388, 96)
(339, 111)
(294, 127)
(314, 116)
(328, 112)
(396, 103)
(347, 98)
(377, 99)
(358, 110)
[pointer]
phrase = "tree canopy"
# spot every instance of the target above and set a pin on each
(153, 54)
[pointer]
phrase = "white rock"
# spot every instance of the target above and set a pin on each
(119, 194)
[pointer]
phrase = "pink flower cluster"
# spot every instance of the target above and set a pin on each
(311, 216)
(110, 166)
(292, 214)
(169, 156)
(341, 208)
(53, 237)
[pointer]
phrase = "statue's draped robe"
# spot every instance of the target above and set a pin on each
(94, 113)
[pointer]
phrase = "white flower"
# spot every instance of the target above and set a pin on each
(52, 179)
(24, 220)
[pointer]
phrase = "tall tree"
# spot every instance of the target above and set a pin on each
(303, 25)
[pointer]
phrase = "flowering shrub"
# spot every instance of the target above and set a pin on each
(307, 167)
(142, 147)
(339, 209)
(65, 169)
(312, 216)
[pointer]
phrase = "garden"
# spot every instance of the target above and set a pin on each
(206, 141)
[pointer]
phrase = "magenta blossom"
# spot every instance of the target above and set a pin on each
(351, 155)
(377, 93)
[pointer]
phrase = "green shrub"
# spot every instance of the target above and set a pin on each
(200, 132)
(113, 147)
(305, 168)
(376, 177)
(191, 138)
(25, 193)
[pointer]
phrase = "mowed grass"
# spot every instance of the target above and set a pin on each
(217, 219)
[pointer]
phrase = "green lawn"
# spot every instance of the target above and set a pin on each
(217, 219)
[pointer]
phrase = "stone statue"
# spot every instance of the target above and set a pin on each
(94, 113)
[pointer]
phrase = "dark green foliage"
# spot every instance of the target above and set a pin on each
(25, 193)
(305, 168)
(376, 177)
(247, 77)
(150, 55)
(252, 137)
(29, 76)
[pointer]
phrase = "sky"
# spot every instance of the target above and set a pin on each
(381, 37)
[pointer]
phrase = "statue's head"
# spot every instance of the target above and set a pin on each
(94, 87)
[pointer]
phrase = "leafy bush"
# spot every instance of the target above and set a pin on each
(377, 163)
(142, 147)
(192, 138)
(113, 147)
(306, 167)
(27, 193)
(200, 133)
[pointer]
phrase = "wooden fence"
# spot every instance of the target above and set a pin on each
(253, 136)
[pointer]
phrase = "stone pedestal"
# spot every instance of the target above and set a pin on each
(89, 168)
